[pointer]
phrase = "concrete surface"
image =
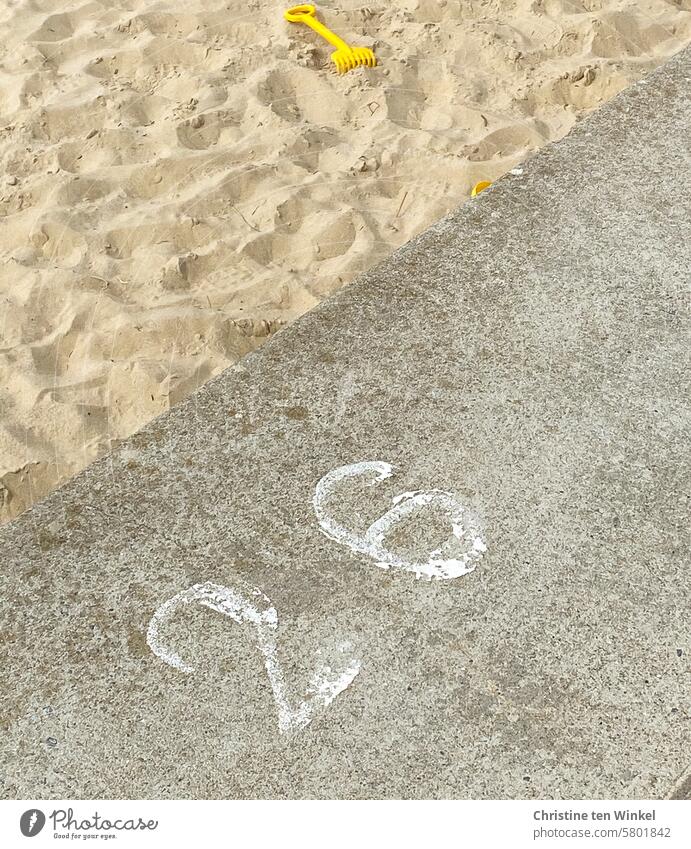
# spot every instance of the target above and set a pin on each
(527, 354)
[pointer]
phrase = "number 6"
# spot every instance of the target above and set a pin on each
(465, 527)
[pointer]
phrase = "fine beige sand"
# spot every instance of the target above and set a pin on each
(181, 179)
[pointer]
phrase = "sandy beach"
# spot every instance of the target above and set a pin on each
(180, 180)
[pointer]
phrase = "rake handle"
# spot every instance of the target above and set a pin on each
(305, 14)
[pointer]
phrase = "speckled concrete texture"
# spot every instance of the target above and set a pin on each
(528, 354)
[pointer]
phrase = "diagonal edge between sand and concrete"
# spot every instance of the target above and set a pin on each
(430, 541)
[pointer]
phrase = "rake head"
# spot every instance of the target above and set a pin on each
(352, 57)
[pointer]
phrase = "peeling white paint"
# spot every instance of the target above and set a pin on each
(465, 527)
(325, 685)
(459, 555)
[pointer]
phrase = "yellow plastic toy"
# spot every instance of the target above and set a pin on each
(345, 57)
(480, 187)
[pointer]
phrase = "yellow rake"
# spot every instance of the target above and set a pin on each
(345, 57)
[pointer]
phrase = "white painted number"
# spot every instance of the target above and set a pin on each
(459, 555)
(324, 686)
(466, 536)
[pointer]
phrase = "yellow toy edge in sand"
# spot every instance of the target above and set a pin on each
(480, 187)
(345, 57)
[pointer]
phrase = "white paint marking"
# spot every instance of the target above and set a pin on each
(324, 686)
(324, 490)
(464, 525)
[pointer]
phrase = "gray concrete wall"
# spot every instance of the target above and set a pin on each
(527, 355)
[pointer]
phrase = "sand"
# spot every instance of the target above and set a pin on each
(181, 179)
